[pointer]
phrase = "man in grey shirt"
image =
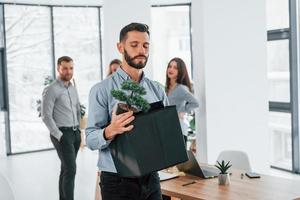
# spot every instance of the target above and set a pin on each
(104, 124)
(61, 114)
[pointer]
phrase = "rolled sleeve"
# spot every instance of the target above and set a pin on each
(97, 120)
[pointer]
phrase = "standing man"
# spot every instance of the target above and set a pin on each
(61, 114)
(104, 124)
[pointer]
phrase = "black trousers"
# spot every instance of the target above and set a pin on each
(114, 187)
(67, 149)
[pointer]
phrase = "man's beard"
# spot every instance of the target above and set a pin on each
(66, 78)
(130, 60)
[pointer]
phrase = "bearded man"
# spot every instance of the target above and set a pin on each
(61, 114)
(104, 124)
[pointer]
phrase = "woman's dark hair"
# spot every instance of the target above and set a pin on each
(114, 61)
(182, 77)
(133, 27)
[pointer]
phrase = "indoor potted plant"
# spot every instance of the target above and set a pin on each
(134, 100)
(83, 119)
(224, 178)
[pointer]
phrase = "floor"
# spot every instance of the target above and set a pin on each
(34, 176)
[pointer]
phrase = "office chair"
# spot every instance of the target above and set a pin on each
(238, 159)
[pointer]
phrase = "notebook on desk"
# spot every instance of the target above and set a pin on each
(192, 167)
(163, 176)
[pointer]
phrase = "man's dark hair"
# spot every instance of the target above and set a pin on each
(133, 27)
(64, 59)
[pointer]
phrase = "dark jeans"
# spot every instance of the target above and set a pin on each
(67, 149)
(114, 187)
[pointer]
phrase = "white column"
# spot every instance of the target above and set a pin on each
(230, 70)
(2, 136)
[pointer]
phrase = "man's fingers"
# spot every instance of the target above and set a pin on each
(113, 114)
(128, 128)
(127, 121)
(124, 115)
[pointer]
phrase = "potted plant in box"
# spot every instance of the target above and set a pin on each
(134, 100)
(223, 177)
(155, 142)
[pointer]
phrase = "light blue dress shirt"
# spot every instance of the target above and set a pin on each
(101, 105)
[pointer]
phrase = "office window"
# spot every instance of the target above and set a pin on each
(77, 34)
(280, 78)
(1, 28)
(3, 103)
(278, 70)
(277, 14)
(170, 36)
(2, 83)
(281, 141)
(29, 60)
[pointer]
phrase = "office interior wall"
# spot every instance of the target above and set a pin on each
(117, 14)
(2, 136)
(230, 70)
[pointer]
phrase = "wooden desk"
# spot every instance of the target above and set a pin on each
(266, 187)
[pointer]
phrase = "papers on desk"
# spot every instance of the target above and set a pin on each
(166, 176)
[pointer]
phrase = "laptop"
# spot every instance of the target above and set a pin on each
(192, 167)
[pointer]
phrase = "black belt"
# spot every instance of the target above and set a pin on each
(128, 178)
(71, 128)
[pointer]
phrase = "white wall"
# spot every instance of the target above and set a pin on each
(229, 47)
(117, 14)
(2, 136)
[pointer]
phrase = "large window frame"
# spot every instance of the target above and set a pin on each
(5, 85)
(190, 27)
(292, 106)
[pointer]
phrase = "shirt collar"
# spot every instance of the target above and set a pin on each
(126, 77)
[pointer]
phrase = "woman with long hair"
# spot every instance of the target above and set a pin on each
(179, 92)
(113, 66)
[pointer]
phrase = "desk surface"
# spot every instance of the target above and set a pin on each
(266, 187)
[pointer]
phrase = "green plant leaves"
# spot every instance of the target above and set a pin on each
(223, 167)
(135, 98)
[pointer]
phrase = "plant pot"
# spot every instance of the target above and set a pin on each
(122, 108)
(224, 179)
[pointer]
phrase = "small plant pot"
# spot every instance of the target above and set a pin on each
(122, 108)
(224, 179)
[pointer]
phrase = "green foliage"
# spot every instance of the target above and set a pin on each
(48, 80)
(135, 98)
(82, 110)
(223, 167)
(134, 87)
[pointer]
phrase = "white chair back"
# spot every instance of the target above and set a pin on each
(238, 159)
